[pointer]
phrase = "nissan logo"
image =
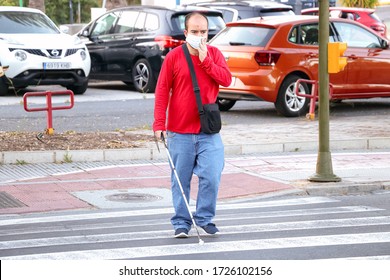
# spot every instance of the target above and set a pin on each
(55, 52)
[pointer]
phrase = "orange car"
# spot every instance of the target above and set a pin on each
(267, 56)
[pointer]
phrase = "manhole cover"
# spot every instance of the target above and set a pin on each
(8, 201)
(133, 197)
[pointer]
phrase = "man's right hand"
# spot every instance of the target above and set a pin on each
(158, 134)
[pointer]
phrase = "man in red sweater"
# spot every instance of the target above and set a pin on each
(176, 117)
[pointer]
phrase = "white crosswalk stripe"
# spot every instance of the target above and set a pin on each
(245, 227)
(231, 246)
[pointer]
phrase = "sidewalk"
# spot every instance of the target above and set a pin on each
(261, 161)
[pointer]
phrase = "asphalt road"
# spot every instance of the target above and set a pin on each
(283, 228)
(112, 106)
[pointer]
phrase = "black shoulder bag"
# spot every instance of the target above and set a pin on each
(210, 116)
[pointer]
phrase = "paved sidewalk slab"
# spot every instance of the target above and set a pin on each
(84, 187)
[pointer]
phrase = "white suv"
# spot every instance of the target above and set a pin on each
(33, 51)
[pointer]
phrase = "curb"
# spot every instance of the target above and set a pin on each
(345, 188)
(151, 152)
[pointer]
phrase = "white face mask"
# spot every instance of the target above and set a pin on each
(194, 41)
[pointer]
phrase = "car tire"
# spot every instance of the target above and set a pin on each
(143, 77)
(78, 90)
(3, 87)
(288, 103)
(225, 104)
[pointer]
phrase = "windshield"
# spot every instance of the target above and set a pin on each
(25, 22)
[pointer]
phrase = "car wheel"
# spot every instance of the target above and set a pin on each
(287, 102)
(143, 78)
(78, 90)
(3, 87)
(225, 104)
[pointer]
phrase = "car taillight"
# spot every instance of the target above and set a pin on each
(267, 58)
(167, 42)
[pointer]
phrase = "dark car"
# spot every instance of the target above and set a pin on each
(236, 10)
(299, 5)
(129, 44)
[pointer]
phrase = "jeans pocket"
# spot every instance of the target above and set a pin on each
(171, 134)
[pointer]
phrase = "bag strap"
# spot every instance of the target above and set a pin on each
(194, 80)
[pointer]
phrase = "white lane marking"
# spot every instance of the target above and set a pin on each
(230, 246)
(223, 217)
(162, 234)
(13, 220)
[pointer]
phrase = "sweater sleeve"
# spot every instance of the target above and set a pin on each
(215, 66)
(162, 93)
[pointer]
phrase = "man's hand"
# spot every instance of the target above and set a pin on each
(159, 133)
(202, 50)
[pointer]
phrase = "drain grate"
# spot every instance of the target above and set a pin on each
(8, 201)
(133, 197)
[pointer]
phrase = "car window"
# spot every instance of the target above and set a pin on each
(140, 22)
(294, 37)
(244, 36)
(21, 22)
(276, 12)
(104, 24)
(355, 36)
(152, 22)
(307, 34)
(215, 23)
(126, 22)
(243, 14)
(228, 14)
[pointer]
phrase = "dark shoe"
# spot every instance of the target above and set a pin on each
(210, 229)
(181, 233)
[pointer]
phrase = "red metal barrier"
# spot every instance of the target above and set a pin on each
(313, 96)
(49, 105)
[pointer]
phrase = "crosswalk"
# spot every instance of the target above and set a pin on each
(290, 228)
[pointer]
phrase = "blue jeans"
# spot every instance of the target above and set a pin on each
(202, 155)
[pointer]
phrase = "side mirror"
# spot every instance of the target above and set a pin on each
(85, 33)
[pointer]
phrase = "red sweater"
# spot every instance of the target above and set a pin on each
(174, 92)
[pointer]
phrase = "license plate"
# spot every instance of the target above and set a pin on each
(56, 65)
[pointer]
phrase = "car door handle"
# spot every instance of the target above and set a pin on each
(312, 55)
(352, 56)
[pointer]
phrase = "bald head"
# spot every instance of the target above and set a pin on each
(195, 17)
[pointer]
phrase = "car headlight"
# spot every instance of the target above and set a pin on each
(83, 55)
(76, 40)
(20, 55)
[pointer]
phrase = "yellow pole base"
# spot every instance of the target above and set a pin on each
(310, 116)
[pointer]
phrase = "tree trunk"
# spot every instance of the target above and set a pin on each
(37, 4)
